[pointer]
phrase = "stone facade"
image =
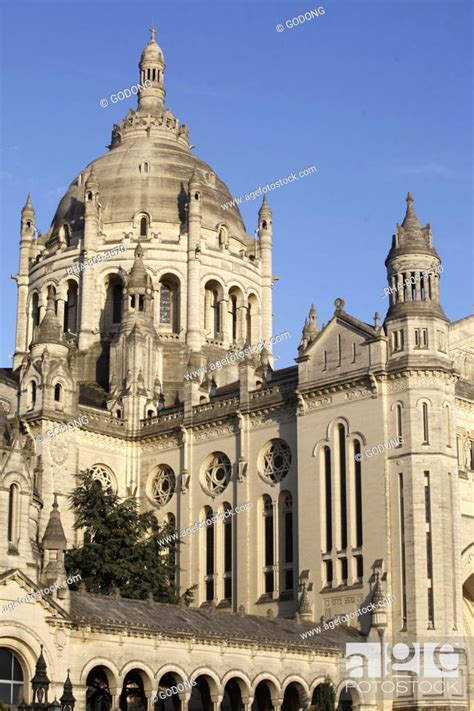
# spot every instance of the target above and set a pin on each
(357, 462)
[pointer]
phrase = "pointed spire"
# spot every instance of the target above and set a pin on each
(28, 206)
(54, 537)
(265, 209)
(194, 179)
(92, 178)
(138, 277)
(411, 223)
(40, 682)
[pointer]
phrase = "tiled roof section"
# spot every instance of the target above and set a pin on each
(173, 620)
(464, 389)
(9, 375)
(92, 394)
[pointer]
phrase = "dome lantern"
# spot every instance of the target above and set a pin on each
(152, 70)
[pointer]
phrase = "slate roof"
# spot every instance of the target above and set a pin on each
(176, 621)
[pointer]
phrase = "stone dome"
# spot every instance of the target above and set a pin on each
(125, 190)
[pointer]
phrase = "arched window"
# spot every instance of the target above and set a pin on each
(70, 310)
(342, 485)
(11, 678)
(286, 541)
(169, 302)
(13, 514)
(358, 494)
(98, 697)
(57, 392)
(398, 415)
(112, 313)
(227, 551)
(426, 433)
(143, 227)
(328, 498)
(268, 546)
(209, 554)
(212, 320)
(33, 394)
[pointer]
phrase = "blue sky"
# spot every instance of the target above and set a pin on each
(376, 94)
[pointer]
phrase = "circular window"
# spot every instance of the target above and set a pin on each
(162, 485)
(275, 461)
(103, 475)
(217, 471)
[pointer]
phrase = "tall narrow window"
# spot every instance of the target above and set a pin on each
(233, 301)
(354, 354)
(402, 550)
(57, 392)
(33, 394)
(70, 310)
(228, 554)
(165, 304)
(216, 314)
(286, 555)
(342, 485)
(269, 557)
(117, 303)
(35, 309)
(358, 493)
(325, 360)
(328, 497)
(359, 568)
(329, 572)
(339, 350)
(429, 551)
(426, 433)
(398, 415)
(13, 504)
(143, 227)
(344, 570)
(209, 579)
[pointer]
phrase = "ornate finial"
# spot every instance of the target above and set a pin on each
(409, 198)
(152, 34)
(376, 320)
(138, 253)
(55, 502)
(339, 304)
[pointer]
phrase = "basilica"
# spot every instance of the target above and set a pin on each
(297, 512)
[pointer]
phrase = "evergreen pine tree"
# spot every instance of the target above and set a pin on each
(120, 548)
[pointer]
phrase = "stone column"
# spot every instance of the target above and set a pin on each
(406, 277)
(224, 319)
(61, 303)
(418, 286)
(193, 333)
